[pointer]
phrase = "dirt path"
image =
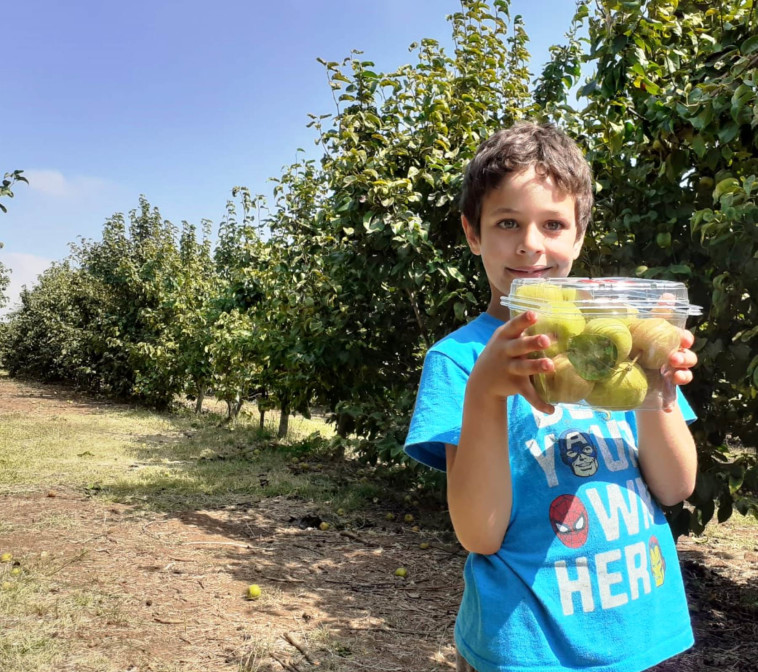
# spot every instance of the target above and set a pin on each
(160, 592)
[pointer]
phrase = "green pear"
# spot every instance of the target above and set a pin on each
(624, 390)
(563, 385)
(576, 294)
(620, 311)
(616, 331)
(653, 340)
(561, 320)
(540, 291)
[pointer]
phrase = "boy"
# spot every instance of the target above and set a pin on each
(572, 564)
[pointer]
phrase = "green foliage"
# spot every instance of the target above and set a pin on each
(669, 120)
(385, 268)
(50, 336)
(9, 179)
(333, 296)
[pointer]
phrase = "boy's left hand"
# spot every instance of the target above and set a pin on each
(677, 370)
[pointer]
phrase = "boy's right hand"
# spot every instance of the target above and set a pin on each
(504, 367)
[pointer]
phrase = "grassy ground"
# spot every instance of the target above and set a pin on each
(134, 536)
(86, 486)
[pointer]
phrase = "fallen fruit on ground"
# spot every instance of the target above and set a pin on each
(408, 518)
(323, 527)
(423, 545)
(6, 557)
(402, 572)
(253, 592)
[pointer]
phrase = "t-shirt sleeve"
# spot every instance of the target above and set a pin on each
(684, 405)
(438, 412)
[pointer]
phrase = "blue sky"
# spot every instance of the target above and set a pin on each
(181, 100)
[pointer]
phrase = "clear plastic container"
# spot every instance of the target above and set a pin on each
(610, 338)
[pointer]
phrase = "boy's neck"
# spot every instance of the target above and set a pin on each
(496, 310)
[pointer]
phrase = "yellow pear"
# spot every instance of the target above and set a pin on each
(624, 390)
(561, 320)
(540, 291)
(563, 385)
(615, 330)
(653, 340)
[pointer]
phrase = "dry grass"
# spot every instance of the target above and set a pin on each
(135, 536)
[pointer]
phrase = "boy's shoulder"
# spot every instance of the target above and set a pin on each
(471, 337)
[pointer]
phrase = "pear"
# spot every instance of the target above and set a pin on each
(575, 294)
(620, 311)
(540, 291)
(563, 385)
(653, 340)
(616, 331)
(561, 320)
(625, 389)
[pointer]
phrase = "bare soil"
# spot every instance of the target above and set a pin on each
(330, 599)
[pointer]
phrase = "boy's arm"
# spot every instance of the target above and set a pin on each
(667, 454)
(478, 469)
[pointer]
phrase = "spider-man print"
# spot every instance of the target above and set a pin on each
(657, 561)
(569, 519)
(578, 452)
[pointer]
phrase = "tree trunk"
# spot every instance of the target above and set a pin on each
(262, 415)
(233, 407)
(199, 402)
(284, 422)
(344, 422)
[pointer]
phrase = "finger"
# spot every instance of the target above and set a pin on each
(682, 359)
(665, 306)
(688, 339)
(522, 366)
(516, 326)
(530, 394)
(682, 377)
(525, 345)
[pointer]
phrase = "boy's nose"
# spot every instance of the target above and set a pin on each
(531, 242)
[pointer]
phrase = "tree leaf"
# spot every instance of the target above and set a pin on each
(593, 356)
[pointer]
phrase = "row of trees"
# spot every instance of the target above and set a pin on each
(331, 296)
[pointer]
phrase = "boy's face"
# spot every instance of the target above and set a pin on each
(527, 230)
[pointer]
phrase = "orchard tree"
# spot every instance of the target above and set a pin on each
(234, 347)
(191, 328)
(49, 336)
(393, 272)
(669, 117)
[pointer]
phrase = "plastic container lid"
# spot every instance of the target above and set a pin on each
(599, 295)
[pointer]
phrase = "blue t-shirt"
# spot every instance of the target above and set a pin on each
(587, 577)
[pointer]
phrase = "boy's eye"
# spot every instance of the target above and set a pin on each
(507, 224)
(554, 225)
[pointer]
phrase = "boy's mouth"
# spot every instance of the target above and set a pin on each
(529, 271)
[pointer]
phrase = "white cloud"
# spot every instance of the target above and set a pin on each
(56, 184)
(25, 269)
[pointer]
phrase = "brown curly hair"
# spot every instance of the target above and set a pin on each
(544, 146)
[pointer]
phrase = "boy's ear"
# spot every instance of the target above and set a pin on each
(471, 236)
